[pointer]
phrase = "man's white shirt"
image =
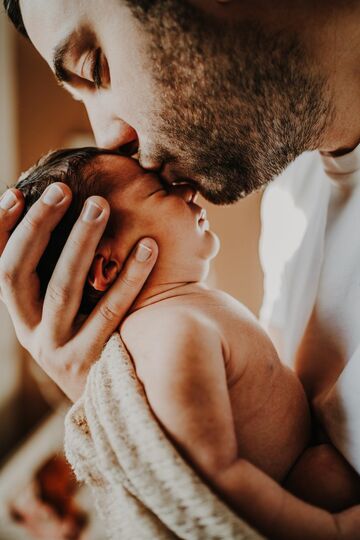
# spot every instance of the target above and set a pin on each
(310, 253)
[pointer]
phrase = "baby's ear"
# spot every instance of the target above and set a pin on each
(103, 272)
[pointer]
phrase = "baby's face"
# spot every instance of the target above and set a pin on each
(142, 206)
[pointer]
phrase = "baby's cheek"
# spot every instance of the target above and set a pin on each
(169, 223)
(154, 227)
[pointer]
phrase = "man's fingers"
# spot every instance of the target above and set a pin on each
(24, 249)
(11, 208)
(113, 307)
(65, 289)
(31, 236)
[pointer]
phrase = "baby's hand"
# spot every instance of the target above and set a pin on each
(324, 478)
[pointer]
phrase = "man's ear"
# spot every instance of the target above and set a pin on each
(103, 270)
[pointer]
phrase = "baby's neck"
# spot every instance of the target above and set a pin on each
(160, 292)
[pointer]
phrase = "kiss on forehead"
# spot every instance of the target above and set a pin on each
(140, 67)
(141, 205)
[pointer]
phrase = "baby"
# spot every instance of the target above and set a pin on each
(211, 375)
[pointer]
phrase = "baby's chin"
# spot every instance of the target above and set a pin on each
(213, 249)
(214, 244)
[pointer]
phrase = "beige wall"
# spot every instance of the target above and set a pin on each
(47, 114)
(237, 267)
(8, 123)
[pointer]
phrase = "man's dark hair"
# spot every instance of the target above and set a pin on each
(73, 167)
(12, 8)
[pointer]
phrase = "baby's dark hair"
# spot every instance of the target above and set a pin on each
(74, 167)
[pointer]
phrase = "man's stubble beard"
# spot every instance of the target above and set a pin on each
(235, 105)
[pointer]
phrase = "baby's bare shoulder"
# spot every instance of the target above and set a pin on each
(171, 338)
(161, 321)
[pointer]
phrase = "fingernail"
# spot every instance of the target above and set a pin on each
(143, 253)
(92, 211)
(8, 201)
(53, 195)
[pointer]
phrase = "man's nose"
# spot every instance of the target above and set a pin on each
(149, 163)
(112, 133)
(118, 135)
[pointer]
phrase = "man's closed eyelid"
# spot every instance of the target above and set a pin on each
(70, 50)
(86, 65)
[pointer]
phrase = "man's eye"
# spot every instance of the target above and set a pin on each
(95, 68)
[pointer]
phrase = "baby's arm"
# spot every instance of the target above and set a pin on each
(180, 362)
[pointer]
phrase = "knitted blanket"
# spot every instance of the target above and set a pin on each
(143, 488)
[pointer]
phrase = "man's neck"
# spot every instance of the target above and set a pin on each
(339, 152)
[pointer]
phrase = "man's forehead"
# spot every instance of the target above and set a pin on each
(48, 21)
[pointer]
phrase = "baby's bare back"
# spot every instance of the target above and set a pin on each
(270, 415)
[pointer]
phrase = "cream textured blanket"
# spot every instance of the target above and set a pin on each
(143, 488)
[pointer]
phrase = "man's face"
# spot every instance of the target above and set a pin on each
(225, 107)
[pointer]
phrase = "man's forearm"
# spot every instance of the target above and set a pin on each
(269, 508)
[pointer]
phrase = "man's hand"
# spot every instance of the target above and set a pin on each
(50, 328)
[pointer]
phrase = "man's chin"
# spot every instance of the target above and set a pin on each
(222, 197)
(228, 187)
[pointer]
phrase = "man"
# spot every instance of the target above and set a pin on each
(223, 95)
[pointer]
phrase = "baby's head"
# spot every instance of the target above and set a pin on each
(141, 205)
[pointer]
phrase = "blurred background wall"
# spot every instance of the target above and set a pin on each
(10, 365)
(36, 115)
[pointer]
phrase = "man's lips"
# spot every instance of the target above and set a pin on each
(170, 178)
(193, 194)
(181, 181)
(193, 191)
